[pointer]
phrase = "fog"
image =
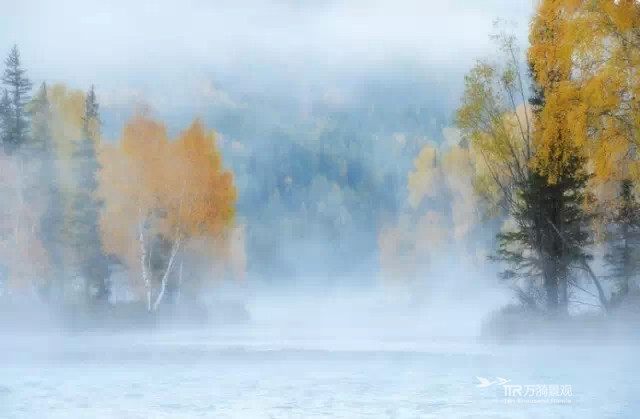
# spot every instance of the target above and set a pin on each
(268, 208)
(126, 47)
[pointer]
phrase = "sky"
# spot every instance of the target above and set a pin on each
(155, 45)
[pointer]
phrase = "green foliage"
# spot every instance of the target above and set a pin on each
(91, 261)
(18, 87)
(551, 232)
(42, 152)
(7, 118)
(549, 235)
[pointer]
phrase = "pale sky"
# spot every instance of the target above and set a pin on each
(127, 43)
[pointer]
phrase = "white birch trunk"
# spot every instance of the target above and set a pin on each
(165, 277)
(143, 259)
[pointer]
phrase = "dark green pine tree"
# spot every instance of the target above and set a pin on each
(551, 232)
(18, 87)
(43, 153)
(623, 242)
(6, 117)
(93, 264)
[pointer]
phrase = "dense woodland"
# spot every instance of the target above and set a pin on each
(77, 209)
(536, 177)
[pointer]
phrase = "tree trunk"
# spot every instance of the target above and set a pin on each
(627, 270)
(165, 277)
(143, 263)
(563, 294)
(551, 286)
(551, 289)
(603, 299)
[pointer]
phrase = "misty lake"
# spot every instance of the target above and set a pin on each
(319, 209)
(250, 373)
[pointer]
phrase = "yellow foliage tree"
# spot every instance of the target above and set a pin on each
(498, 128)
(153, 187)
(445, 209)
(586, 56)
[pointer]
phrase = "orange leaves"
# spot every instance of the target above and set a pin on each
(202, 202)
(145, 149)
(154, 187)
(553, 139)
(144, 139)
(549, 54)
(586, 55)
(624, 14)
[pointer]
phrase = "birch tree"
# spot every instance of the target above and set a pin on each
(157, 191)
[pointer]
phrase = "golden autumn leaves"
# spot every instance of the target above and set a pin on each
(444, 211)
(162, 203)
(586, 56)
(152, 190)
(584, 60)
(153, 187)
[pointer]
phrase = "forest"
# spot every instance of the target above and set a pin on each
(533, 179)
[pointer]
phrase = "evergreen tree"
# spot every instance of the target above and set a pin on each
(551, 231)
(623, 241)
(6, 117)
(47, 188)
(93, 264)
(18, 86)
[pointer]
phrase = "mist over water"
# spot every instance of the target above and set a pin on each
(335, 364)
(268, 209)
(311, 350)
